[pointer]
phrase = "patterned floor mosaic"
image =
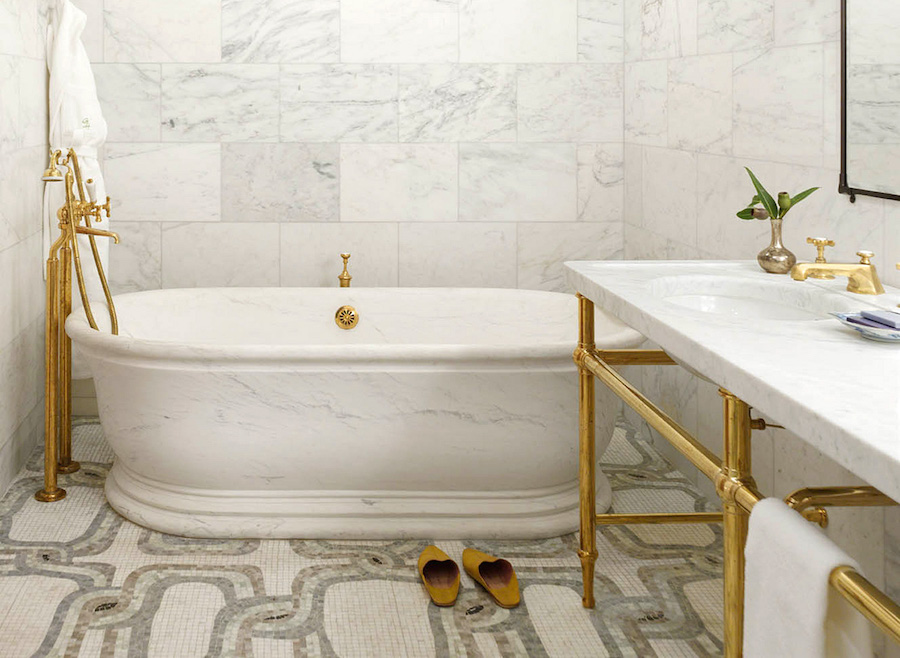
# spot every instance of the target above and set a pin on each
(77, 580)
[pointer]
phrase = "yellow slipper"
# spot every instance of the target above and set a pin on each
(440, 575)
(496, 575)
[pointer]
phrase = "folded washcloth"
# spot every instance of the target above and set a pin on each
(790, 611)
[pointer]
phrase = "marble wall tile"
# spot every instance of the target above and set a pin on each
(518, 30)
(162, 31)
(164, 182)
(399, 182)
(92, 37)
(22, 194)
(869, 31)
(21, 288)
(646, 102)
(633, 31)
(129, 96)
(457, 103)
(668, 28)
(670, 208)
(219, 102)
(399, 31)
(777, 113)
(21, 371)
(310, 253)
(280, 182)
(136, 262)
(806, 21)
(873, 104)
(891, 274)
(570, 103)
(724, 25)
(544, 247)
(339, 103)
(244, 255)
(700, 103)
(10, 73)
(517, 182)
(601, 30)
(831, 110)
(601, 182)
(633, 161)
(458, 255)
(33, 102)
(18, 447)
(281, 30)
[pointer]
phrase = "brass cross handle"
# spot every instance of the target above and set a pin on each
(865, 256)
(344, 276)
(820, 243)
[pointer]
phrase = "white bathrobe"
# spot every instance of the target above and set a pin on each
(76, 121)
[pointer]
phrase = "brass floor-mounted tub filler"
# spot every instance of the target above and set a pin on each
(732, 476)
(64, 253)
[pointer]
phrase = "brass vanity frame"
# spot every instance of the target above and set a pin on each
(64, 252)
(732, 476)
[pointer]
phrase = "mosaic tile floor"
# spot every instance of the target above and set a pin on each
(77, 580)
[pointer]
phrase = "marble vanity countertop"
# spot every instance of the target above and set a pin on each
(821, 380)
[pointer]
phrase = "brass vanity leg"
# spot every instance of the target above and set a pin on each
(587, 458)
(51, 492)
(736, 468)
(66, 465)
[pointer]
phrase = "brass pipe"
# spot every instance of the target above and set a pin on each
(587, 458)
(65, 465)
(51, 491)
(870, 601)
(852, 496)
(634, 357)
(708, 463)
(659, 519)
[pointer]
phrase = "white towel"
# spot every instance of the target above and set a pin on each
(790, 611)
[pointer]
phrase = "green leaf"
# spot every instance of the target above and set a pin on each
(797, 199)
(766, 198)
(755, 200)
(746, 213)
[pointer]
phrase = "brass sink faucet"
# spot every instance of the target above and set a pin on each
(862, 276)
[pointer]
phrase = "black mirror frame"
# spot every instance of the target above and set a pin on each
(844, 186)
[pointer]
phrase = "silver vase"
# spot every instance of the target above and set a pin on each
(776, 258)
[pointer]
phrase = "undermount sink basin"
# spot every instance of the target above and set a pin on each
(781, 300)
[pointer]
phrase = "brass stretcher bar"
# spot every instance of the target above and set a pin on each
(732, 476)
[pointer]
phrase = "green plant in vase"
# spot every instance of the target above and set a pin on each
(775, 258)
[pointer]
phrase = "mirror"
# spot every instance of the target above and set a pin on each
(870, 98)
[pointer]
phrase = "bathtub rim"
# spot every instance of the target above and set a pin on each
(102, 344)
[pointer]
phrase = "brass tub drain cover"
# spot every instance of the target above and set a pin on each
(346, 317)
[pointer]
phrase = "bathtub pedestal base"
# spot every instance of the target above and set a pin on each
(189, 512)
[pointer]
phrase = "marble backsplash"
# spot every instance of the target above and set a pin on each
(23, 156)
(443, 142)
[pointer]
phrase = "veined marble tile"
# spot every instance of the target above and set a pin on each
(570, 103)
(281, 30)
(778, 114)
(868, 32)
(601, 182)
(633, 31)
(518, 31)
(807, 21)
(873, 166)
(457, 102)
(668, 28)
(164, 182)
(634, 165)
(310, 253)
(601, 31)
(22, 193)
(18, 447)
(339, 103)
(669, 196)
(725, 25)
(700, 103)
(219, 102)
(129, 96)
(873, 104)
(21, 288)
(136, 262)
(646, 103)
(280, 182)
(544, 247)
(92, 37)
(399, 31)
(399, 182)
(162, 31)
(831, 111)
(10, 133)
(458, 255)
(22, 25)
(220, 254)
(32, 102)
(518, 182)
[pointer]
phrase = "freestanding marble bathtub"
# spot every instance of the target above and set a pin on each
(446, 413)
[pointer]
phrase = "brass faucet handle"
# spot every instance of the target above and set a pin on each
(105, 207)
(820, 244)
(344, 277)
(865, 256)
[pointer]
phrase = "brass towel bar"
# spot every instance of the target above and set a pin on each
(732, 476)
